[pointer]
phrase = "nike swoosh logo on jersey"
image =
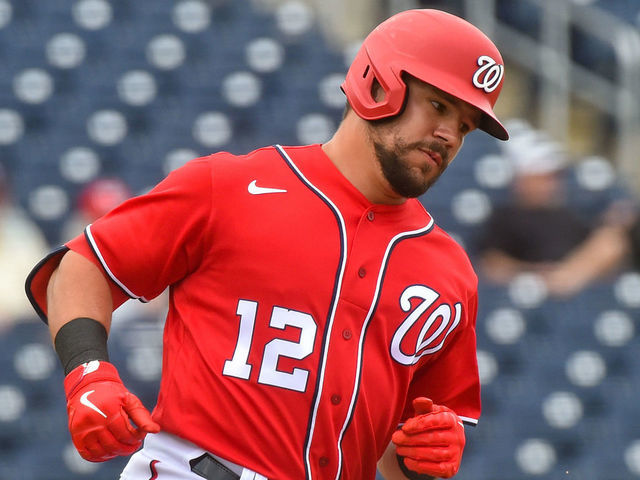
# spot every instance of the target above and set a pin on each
(84, 400)
(256, 190)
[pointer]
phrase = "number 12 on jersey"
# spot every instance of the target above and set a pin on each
(239, 366)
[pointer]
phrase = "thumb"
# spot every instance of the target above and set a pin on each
(422, 405)
(139, 414)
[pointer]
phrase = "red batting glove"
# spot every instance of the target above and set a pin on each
(100, 412)
(432, 441)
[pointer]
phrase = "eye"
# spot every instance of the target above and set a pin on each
(439, 106)
(469, 124)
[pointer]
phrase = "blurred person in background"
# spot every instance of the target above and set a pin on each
(93, 201)
(538, 232)
(21, 244)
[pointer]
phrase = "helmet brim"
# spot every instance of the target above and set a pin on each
(490, 124)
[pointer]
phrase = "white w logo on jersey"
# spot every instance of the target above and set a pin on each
(434, 330)
(489, 75)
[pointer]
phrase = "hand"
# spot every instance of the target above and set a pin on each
(432, 441)
(100, 411)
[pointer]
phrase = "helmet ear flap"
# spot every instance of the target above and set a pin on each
(360, 86)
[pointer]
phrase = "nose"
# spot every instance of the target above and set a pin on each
(448, 130)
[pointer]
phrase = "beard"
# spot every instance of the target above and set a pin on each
(407, 180)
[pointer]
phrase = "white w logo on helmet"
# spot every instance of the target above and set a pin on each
(489, 75)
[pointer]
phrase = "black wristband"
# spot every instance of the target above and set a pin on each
(410, 473)
(79, 341)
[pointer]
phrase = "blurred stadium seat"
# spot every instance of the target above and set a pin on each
(628, 10)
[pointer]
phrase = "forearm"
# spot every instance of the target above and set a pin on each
(600, 253)
(79, 306)
(500, 268)
(77, 289)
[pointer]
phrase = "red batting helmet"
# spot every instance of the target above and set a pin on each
(436, 47)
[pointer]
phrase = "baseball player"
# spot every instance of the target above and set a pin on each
(320, 323)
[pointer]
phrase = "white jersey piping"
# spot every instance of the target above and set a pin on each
(103, 262)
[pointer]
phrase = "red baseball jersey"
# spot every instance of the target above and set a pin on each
(303, 319)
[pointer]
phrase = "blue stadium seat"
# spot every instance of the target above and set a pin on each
(626, 10)
(56, 459)
(523, 16)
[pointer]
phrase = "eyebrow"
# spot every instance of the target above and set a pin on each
(447, 96)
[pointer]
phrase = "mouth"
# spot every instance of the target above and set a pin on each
(434, 156)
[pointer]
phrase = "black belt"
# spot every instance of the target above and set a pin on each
(208, 467)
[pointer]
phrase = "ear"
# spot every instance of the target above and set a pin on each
(377, 92)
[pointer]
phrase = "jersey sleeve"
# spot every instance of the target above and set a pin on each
(145, 244)
(452, 378)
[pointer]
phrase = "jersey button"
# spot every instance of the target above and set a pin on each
(371, 216)
(346, 334)
(362, 272)
(336, 399)
(323, 461)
